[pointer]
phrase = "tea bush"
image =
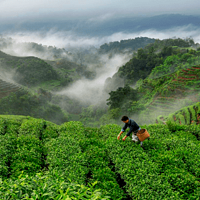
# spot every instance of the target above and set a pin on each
(41, 160)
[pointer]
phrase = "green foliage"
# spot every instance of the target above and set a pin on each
(115, 113)
(27, 156)
(140, 66)
(66, 159)
(169, 66)
(164, 72)
(23, 103)
(41, 160)
(45, 187)
(174, 63)
(186, 115)
(131, 45)
(136, 106)
(30, 71)
(173, 127)
(155, 172)
(7, 149)
(121, 96)
(69, 71)
(91, 115)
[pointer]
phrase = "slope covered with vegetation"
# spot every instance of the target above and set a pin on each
(23, 102)
(39, 78)
(125, 45)
(169, 93)
(7, 88)
(162, 54)
(35, 72)
(41, 160)
(165, 88)
(28, 71)
(186, 115)
(147, 86)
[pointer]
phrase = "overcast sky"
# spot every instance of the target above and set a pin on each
(23, 10)
(44, 21)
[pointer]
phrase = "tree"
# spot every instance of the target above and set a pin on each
(121, 95)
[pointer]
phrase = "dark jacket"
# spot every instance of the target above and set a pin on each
(133, 126)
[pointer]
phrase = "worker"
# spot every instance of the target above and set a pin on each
(134, 128)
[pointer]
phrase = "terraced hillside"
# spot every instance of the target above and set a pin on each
(172, 92)
(187, 115)
(6, 88)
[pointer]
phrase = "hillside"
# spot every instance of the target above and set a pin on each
(7, 88)
(171, 92)
(27, 71)
(50, 75)
(152, 56)
(156, 97)
(161, 87)
(41, 160)
(147, 86)
(125, 45)
(186, 115)
(24, 102)
(70, 71)
(34, 72)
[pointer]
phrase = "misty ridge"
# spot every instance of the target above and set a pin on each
(92, 91)
(87, 89)
(100, 62)
(84, 70)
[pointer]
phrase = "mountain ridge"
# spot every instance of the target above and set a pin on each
(109, 27)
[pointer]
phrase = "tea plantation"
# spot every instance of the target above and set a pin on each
(44, 161)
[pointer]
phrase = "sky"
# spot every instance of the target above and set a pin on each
(71, 22)
(37, 10)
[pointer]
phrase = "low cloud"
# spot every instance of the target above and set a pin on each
(91, 91)
(7, 75)
(36, 10)
(84, 89)
(67, 39)
(102, 18)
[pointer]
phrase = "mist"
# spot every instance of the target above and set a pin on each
(7, 75)
(70, 39)
(85, 90)
(92, 91)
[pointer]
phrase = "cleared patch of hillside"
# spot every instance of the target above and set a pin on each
(7, 88)
(171, 92)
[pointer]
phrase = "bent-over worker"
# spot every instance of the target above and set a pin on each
(134, 128)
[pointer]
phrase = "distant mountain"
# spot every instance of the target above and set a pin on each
(27, 71)
(128, 25)
(108, 27)
(125, 45)
(15, 48)
(33, 72)
(145, 60)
